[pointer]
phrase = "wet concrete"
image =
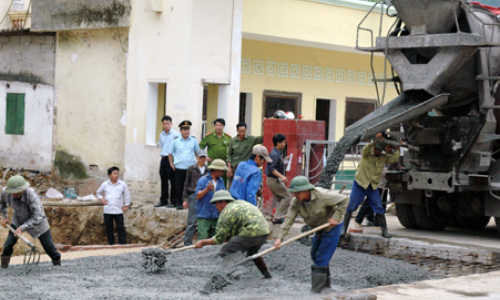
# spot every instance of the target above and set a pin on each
(199, 274)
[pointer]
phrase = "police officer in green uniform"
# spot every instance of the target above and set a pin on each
(217, 143)
(243, 224)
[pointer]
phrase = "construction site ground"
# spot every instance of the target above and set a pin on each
(478, 286)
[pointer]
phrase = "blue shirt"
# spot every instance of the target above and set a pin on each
(246, 181)
(204, 209)
(166, 141)
(184, 152)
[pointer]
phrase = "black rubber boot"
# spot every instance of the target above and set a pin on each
(5, 262)
(56, 262)
(261, 265)
(328, 280)
(344, 236)
(383, 226)
(318, 278)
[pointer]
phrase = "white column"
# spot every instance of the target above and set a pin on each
(229, 95)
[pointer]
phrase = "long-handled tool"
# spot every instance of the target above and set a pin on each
(155, 258)
(298, 237)
(32, 255)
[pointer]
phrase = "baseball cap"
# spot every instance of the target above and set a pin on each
(262, 151)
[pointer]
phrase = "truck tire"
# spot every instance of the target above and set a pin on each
(429, 217)
(405, 215)
(478, 222)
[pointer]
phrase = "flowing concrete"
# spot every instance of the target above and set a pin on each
(188, 273)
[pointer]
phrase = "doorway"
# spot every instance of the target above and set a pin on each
(326, 110)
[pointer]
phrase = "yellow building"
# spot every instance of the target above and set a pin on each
(300, 56)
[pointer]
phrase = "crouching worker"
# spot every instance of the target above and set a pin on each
(317, 206)
(244, 224)
(28, 216)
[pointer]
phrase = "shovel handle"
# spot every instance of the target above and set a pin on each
(298, 237)
(182, 249)
(20, 236)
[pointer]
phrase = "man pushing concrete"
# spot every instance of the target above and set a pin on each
(367, 178)
(244, 224)
(28, 216)
(317, 206)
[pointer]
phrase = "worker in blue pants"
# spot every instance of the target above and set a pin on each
(317, 206)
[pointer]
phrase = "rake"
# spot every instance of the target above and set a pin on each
(32, 255)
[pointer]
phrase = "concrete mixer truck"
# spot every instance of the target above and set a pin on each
(445, 55)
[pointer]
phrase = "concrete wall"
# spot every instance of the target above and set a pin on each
(27, 67)
(188, 44)
(27, 58)
(91, 95)
(54, 15)
(33, 149)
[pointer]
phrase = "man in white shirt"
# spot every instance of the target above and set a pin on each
(115, 197)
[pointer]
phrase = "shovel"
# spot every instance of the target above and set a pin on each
(32, 256)
(298, 237)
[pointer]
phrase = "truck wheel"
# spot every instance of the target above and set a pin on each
(478, 222)
(405, 215)
(429, 216)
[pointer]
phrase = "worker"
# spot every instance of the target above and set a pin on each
(28, 216)
(317, 206)
(366, 180)
(248, 175)
(239, 150)
(243, 224)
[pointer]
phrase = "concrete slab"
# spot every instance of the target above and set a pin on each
(488, 237)
(478, 287)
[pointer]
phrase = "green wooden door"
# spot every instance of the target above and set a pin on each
(15, 114)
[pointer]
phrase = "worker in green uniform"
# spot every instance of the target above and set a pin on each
(216, 143)
(240, 149)
(243, 224)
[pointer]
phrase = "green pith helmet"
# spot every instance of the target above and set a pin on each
(16, 184)
(222, 195)
(218, 164)
(299, 184)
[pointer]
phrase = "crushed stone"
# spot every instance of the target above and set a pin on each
(200, 274)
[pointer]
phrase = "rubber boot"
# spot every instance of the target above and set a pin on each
(383, 226)
(328, 280)
(318, 278)
(261, 265)
(5, 262)
(56, 262)
(344, 236)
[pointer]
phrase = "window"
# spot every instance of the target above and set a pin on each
(15, 114)
(357, 108)
(156, 109)
(274, 101)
